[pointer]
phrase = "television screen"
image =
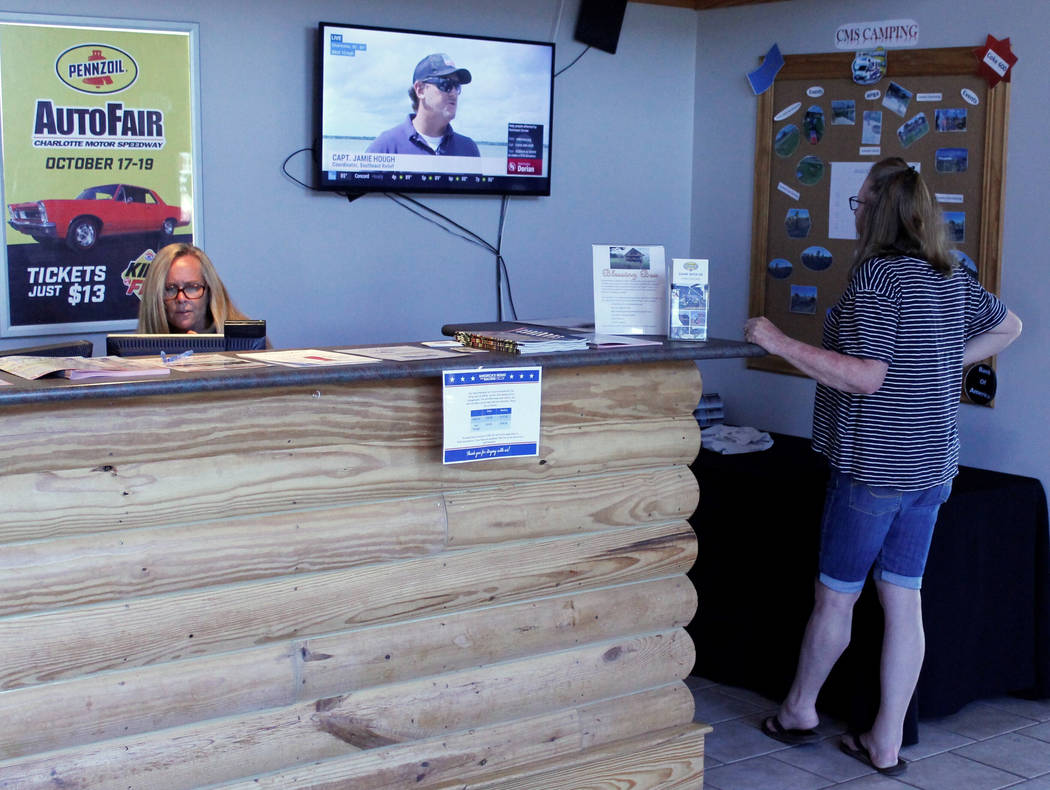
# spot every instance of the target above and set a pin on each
(411, 111)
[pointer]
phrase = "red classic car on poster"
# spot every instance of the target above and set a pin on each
(106, 210)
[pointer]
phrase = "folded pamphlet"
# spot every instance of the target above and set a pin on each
(689, 293)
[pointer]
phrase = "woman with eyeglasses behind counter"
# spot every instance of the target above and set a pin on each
(182, 293)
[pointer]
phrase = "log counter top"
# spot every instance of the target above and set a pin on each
(267, 579)
(52, 390)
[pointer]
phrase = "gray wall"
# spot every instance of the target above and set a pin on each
(1013, 436)
(322, 271)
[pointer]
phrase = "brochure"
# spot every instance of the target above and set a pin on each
(689, 295)
(630, 290)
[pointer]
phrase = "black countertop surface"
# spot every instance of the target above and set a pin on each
(53, 390)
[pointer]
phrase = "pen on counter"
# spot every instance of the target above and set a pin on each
(173, 358)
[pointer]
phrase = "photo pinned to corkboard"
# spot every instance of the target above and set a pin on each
(826, 120)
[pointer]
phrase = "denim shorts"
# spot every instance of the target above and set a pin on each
(876, 528)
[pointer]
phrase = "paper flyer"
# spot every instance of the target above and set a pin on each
(29, 367)
(846, 180)
(400, 353)
(630, 290)
(199, 363)
(307, 358)
(689, 299)
(491, 413)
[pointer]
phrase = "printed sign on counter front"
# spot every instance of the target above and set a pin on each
(491, 413)
(101, 148)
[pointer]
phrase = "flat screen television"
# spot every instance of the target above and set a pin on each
(415, 111)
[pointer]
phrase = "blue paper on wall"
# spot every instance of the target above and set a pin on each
(762, 77)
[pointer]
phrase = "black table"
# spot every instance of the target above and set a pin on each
(985, 598)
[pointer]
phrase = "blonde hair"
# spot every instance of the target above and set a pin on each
(901, 218)
(153, 319)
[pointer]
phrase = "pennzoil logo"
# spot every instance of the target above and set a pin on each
(97, 69)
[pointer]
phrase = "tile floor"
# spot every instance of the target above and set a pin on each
(989, 744)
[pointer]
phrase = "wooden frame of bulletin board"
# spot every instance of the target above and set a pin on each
(803, 235)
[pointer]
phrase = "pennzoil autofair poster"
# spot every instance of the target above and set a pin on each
(101, 146)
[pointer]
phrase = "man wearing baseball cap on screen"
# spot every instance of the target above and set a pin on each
(436, 85)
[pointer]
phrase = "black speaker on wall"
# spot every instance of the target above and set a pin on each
(599, 23)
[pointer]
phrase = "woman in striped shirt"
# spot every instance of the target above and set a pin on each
(885, 415)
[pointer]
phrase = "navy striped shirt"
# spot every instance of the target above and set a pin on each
(901, 311)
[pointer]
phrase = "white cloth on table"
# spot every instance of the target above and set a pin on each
(732, 439)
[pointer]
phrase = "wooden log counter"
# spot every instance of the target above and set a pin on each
(267, 579)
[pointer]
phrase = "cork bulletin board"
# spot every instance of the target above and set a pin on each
(818, 133)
